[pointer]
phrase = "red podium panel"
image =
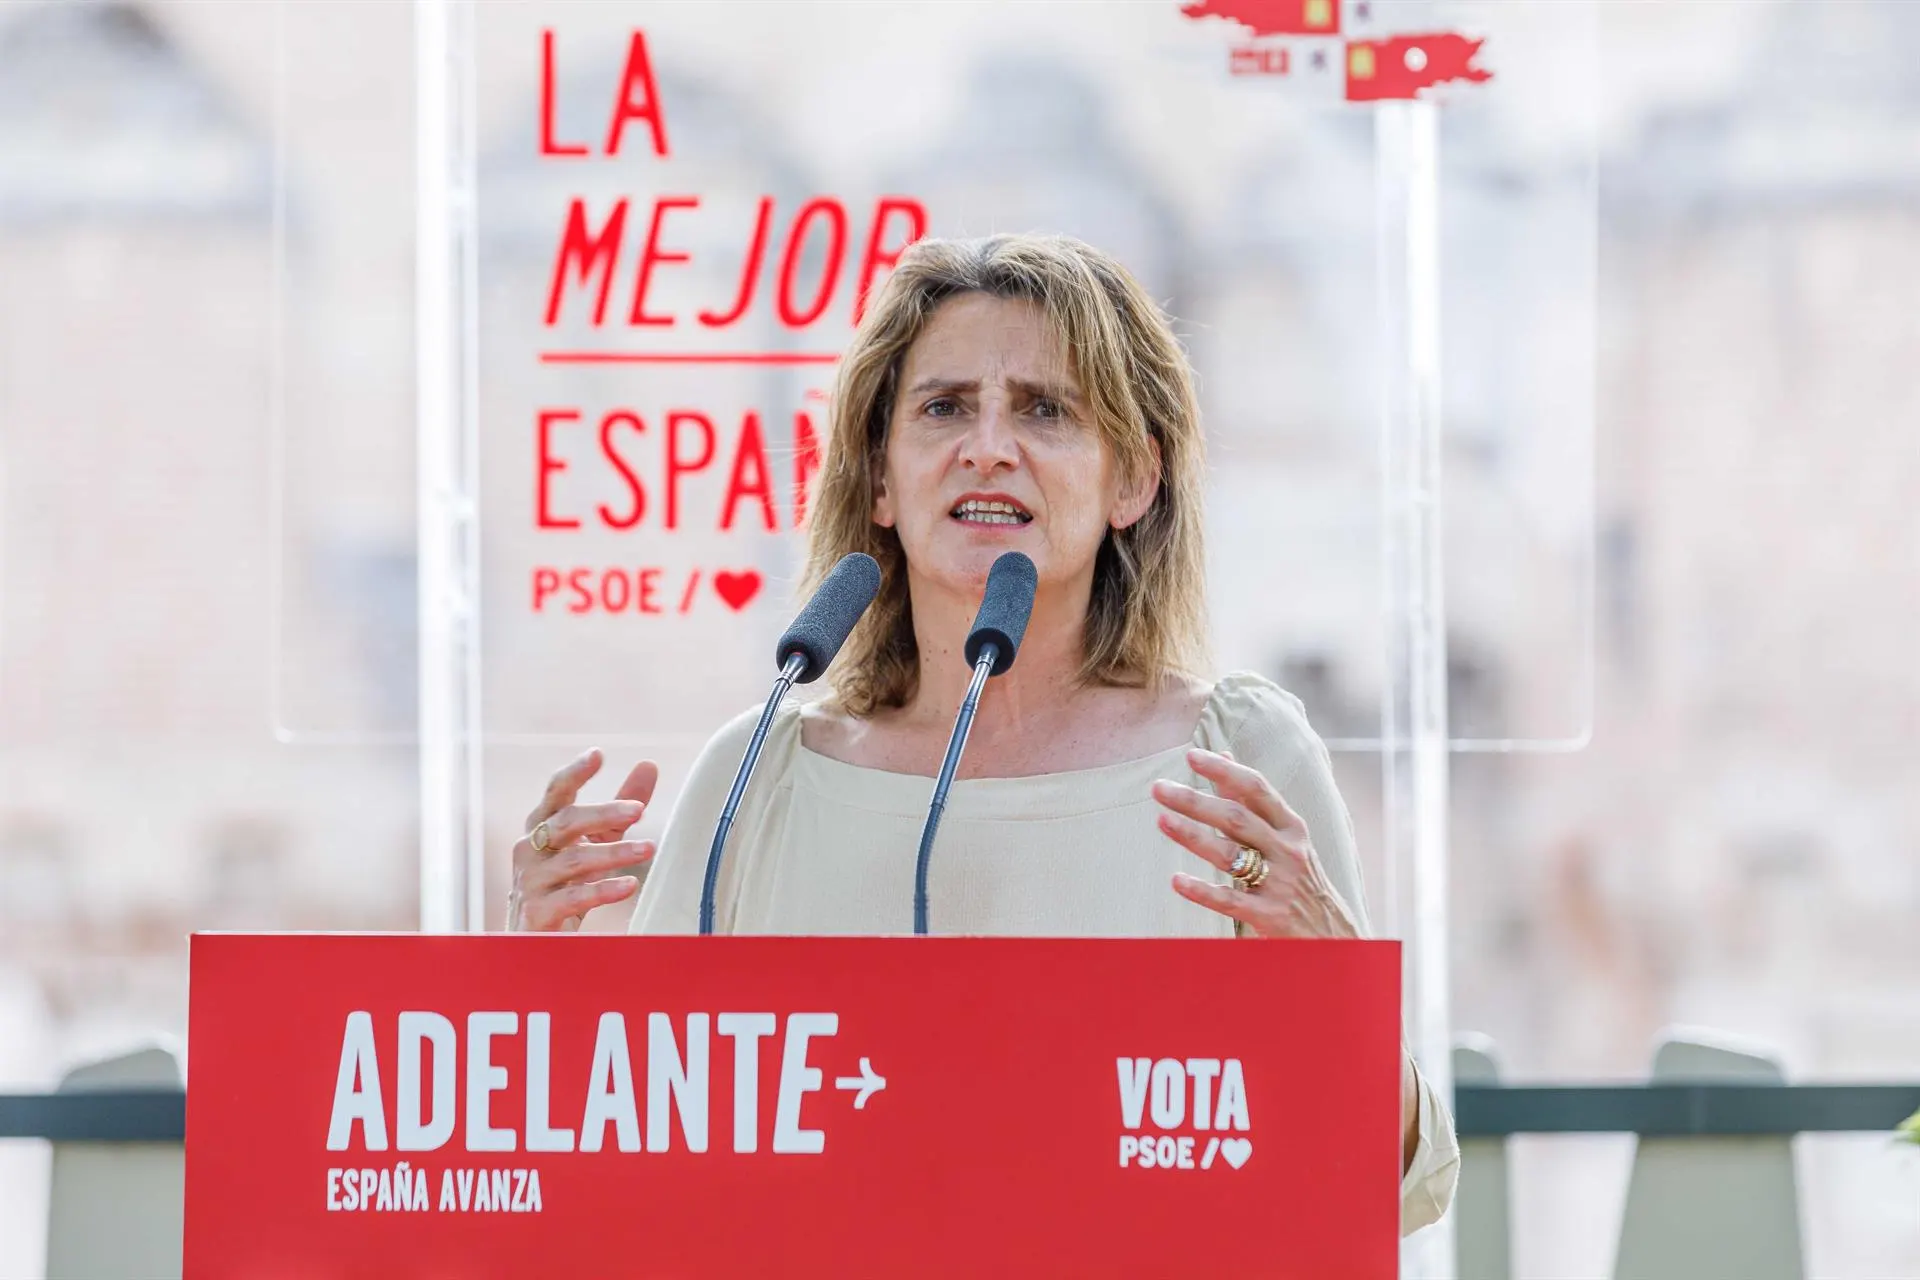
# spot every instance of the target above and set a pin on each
(406, 1105)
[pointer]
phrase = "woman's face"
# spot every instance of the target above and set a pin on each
(993, 448)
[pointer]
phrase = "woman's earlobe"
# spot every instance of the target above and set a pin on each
(1137, 499)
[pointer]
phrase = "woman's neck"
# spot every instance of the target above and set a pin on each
(1042, 683)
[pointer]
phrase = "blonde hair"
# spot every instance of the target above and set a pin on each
(1147, 615)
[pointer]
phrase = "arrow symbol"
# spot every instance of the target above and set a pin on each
(868, 1082)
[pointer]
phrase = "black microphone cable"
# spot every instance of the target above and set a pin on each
(997, 631)
(804, 653)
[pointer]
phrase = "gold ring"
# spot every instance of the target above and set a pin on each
(539, 839)
(1249, 869)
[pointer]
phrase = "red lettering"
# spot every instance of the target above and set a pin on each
(757, 473)
(877, 257)
(639, 73)
(621, 418)
(749, 271)
(678, 465)
(617, 589)
(654, 255)
(829, 277)
(806, 461)
(749, 477)
(582, 593)
(587, 252)
(548, 466)
(1252, 60)
(607, 581)
(548, 147)
(545, 583)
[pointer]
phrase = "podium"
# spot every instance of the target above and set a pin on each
(512, 1105)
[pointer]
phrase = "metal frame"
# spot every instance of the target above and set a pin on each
(1413, 709)
(1683, 1110)
(116, 1115)
(1481, 1111)
(452, 837)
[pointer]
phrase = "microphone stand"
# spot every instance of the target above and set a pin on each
(790, 671)
(982, 668)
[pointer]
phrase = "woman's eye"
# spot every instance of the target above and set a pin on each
(1046, 408)
(942, 407)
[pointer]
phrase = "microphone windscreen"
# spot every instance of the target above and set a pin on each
(829, 618)
(1004, 610)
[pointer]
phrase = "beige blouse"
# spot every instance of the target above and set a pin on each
(824, 847)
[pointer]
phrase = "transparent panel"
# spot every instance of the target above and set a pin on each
(341, 425)
(1246, 202)
(641, 446)
(1734, 848)
(200, 270)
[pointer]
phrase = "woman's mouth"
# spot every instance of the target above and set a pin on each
(988, 511)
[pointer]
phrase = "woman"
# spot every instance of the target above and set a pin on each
(1019, 393)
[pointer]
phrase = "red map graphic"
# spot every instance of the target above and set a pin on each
(1404, 65)
(1273, 17)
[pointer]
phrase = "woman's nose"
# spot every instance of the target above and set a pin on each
(990, 444)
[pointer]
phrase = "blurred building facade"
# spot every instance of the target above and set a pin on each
(206, 517)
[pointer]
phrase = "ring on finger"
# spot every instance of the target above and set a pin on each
(1249, 869)
(541, 839)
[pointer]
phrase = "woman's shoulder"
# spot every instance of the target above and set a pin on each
(1259, 722)
(830, 729)
(720, 758)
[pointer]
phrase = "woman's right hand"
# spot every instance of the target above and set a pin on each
(555, 885)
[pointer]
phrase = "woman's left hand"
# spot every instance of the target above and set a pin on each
(1295, 900)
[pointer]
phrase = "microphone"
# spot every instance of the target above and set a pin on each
(991, 646)
(804, 654)
(829, 618)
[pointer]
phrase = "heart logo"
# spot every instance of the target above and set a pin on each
(1237, 1151)
(737, 589)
